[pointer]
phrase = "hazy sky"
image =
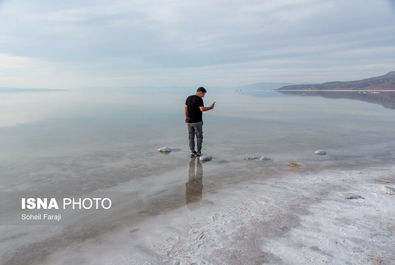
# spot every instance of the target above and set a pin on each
(78, 44)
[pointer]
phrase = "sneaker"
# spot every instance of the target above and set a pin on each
(198, 154)
(193, 154)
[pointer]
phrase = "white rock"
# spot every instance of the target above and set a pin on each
(205, 158)
(320, 152)
(352, 196)
(388, 190)
(262, 158)
(252, 158)
(164, 149)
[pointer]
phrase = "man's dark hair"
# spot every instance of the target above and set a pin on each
(202, 89)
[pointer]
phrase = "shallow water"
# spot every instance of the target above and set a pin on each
(93, 143)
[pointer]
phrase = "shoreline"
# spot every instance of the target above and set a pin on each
(261, 219)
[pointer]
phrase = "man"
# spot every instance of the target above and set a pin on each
(193, 117)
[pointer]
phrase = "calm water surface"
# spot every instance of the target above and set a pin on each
(105, 137)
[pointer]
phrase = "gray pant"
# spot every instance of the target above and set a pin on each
(195, 128)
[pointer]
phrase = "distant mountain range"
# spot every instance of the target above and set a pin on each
(384, 82)
(376, 90)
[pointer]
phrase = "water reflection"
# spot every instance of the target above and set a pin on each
(385, 99)
(194, 186)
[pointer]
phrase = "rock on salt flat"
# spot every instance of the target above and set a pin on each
(388, 190)
(164, 149)
(320, 152)
(205, 158)
(261, 158)
(354, 197)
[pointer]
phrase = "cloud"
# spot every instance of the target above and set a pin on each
(13, 62)
(140, 40)
(26, 72)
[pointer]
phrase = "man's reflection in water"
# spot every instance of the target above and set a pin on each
(194, 186)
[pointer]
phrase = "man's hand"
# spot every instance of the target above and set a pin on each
(212, 105)
(207, 108)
